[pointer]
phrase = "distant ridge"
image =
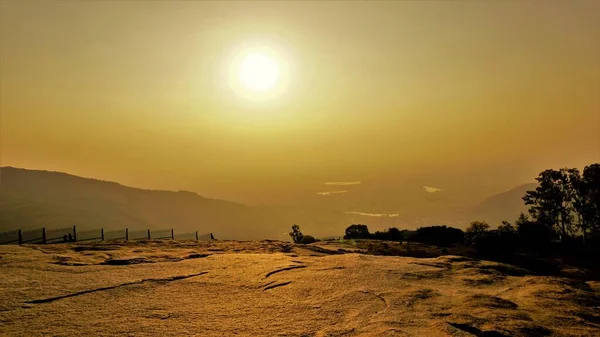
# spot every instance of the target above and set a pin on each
(35, 198)
(502, 206)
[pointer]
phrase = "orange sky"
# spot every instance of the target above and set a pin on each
(464, 95)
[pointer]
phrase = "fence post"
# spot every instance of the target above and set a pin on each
(148, 234)
(126, 234)
(20, 237)
(74, 233)
(196, 235)
(172, 234)
(44, 235)
(102, 233)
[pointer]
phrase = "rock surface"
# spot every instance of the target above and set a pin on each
(271, 288)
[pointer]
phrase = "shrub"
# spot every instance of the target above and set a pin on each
(407, 235)
(390, 234)
(357, 232)
(534, 236)
(439, 235)
(495, 243)
(307, 239)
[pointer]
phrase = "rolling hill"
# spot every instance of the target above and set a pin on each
(503, 206)
(33, 198)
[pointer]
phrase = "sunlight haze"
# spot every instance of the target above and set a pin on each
(266, 102)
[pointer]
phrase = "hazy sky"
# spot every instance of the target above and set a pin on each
(457, 95)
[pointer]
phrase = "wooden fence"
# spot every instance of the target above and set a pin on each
(72, 234)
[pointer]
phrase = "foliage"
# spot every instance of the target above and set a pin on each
(507, 228)
(300, 238)
(503, 241)
(532, 235)
(475, 229)
(586, 199)
(296, 234)
(357, 231)
(407, 235)
(439, 235)
(550, 203)
(565, 206)
(522, 219)
(307, 239)
(391, 234)
(567, 202)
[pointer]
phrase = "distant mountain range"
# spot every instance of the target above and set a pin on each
(503, 206)
(32, 198)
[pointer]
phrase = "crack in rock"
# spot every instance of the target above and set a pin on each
(268, 283)
(376, 295)
(168, 279)
(277, 285)
(283, 269)
(332, 268)
(138, 260)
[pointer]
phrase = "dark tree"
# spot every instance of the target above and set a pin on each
(506, 227)
(591, 178)
(551, 202)
(523, 218)
(394, 234)
(475, 229)
(495, 243)
(439, 235)
(586, 199)
(357, 231)
(407, 235)
(391, 234)
(296, 234)
(567, 201)
(532, 235)
(380, 235)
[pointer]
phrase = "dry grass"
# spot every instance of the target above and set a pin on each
(269, 288)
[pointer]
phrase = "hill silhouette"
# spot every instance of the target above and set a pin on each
(503, 206)
(34, 198)
(31, 199)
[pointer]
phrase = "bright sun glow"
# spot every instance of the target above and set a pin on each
(258, 72)
(261, 73)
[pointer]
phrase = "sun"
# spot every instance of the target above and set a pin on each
(258, 72)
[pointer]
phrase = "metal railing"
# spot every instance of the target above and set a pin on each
(72, 234)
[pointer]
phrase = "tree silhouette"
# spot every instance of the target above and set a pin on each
(357, 231)
(475, 228)
(296, 234)
(439, 235)
(532, 235)
(522, 219)
(391, 234)
(564, 196)
(506, 227)
(586, 199)
(551, 202)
